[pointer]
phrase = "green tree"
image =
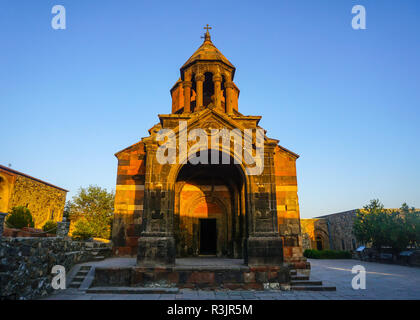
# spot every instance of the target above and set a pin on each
(83, 230)
(398, 236)
(96, 206)
(385, 228)
(367, 227)
(19, 217)
(412, 220)
(50, 227)
(67, 208)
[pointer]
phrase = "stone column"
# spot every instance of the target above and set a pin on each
(229, 97)
(2, 217)
(156, 246)
(63, 228)
(199, 79)
(217, 79)
(264, 245)
(187, 96)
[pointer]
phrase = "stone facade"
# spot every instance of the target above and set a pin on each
(63, 229)
(2, 217)
(26, 263)
(208, 277)
(163, 211)
(333, 231)
(44, 200)
(340, 226)
(316, 234)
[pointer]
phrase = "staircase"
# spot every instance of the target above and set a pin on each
(302, 283)
(80, 276)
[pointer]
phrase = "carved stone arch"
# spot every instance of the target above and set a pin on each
(224, 222)
(175, 169)
(197, 199)
(322, 236)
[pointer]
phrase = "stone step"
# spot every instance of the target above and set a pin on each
(306, 283)
(82, 272)
(131, 290)
(312, 288)
(293, 278)
(75, 284)
(85, 268)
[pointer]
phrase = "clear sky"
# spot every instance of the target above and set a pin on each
(347, 101)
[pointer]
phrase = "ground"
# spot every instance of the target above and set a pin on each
(383, 281)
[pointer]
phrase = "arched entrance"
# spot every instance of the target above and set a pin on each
(203, 230)
(210, 210)
(319, 243)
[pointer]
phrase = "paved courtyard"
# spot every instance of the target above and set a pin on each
(383, 281)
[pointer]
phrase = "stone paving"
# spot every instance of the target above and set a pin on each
(383, 281)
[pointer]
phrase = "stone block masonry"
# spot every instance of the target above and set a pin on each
(26, 263)
(208, 277)
(44, 200)
(207, 198)
(2, 217)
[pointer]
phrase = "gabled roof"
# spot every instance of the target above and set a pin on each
(28, 176)
(207, 52)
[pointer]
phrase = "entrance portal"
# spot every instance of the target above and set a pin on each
(210, 209)
(208, 236)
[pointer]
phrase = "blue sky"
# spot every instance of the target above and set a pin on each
(347, 101)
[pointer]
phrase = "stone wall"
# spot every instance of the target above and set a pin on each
(7, 181)
(287, 202)
(341, 230)
(26, 263)
(206, 277)
(315, 232)
(44, 202)
(198, 201)
(129, 194)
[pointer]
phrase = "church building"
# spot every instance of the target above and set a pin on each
(220, 207)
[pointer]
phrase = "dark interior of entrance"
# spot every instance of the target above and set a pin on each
(208, 237)
(210, 210)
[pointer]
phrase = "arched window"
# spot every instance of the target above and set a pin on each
(223, 88)
(208, 88)
(193, 93)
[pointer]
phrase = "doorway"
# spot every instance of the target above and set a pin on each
(319, 245)
(208, 236)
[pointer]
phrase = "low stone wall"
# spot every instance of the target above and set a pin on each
(26, 263)
(26, 232)
(199, 277)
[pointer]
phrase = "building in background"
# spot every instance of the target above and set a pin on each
(44, 200)
(315, 234)
(332, 231)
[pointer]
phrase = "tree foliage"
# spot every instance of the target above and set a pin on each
(50, 227)
(95, 205)
(412, 219)
(19, 217)
(83, 230)
(387, 228)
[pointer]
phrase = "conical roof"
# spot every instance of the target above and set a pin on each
(207, 52)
